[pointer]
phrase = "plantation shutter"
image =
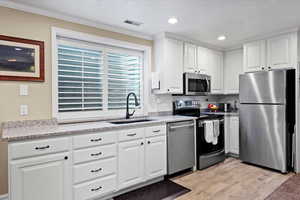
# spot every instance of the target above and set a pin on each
(124, 76)
(97, 77)
(80, 74)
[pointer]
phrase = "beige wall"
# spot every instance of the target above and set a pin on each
(30, 26)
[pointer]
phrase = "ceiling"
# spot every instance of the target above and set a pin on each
(201, 20)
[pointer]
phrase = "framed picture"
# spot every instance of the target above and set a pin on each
(21, 59)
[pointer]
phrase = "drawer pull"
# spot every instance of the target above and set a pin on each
(96, 140)
(157, 131)
(96, 154)
(132, 134)
(96, 170)
(96, 189)
(42, 148)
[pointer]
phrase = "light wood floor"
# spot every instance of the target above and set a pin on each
(231, 180)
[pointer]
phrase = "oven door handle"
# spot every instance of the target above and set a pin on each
(183, 126)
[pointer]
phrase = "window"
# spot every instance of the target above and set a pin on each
(94, 79)
(80, 79)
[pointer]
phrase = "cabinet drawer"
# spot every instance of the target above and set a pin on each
(95, 189)
(155, 131)
(94, 153)
(131, 134)
(38, 147)
(94, 139)
(85, 172)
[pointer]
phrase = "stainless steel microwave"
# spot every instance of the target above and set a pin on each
(196, 84)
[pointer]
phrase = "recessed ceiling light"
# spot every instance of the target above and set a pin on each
(18, 49)
(173, 20)
(222, 37)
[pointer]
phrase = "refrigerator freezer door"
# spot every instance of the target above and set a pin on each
(263, 87)
(263, 135)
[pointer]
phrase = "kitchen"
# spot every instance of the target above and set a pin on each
(65, 134)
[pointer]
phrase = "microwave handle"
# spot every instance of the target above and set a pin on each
(207, 82)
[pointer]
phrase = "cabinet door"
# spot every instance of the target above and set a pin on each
(280, 51)
(202, 60)
(233, 67)
(173, 68)
(254, 56)
(234, 135)
(190, 56)
(131, 163)
(216, 71)
(47, 177)
(155, 157)
(227, 134)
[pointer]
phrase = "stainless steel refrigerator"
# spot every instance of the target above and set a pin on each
(267, 118)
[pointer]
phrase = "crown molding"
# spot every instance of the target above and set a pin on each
(262, 37)
(189, 40)
(77, 20)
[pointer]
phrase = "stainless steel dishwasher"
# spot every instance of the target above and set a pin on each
(181, 146)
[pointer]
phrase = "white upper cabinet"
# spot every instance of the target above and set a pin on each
(233, 67)
(274, 53)
(215, 70)
(202, 60)
(282, 51)
(190, 58)
(254, 56)
(169, 64)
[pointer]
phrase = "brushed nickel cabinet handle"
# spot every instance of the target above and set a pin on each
(157, 131)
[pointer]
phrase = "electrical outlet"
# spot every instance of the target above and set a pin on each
(23, 90)
(23, 110)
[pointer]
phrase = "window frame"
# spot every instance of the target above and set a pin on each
(106, 43)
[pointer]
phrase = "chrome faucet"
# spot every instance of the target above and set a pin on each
(128, 115)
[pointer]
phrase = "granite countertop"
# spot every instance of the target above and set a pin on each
(37, 129)
(235, 113)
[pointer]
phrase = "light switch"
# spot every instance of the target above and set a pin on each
(23, 90)
(23, 110)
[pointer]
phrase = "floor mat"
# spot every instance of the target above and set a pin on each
(289, 190)
(164, 190)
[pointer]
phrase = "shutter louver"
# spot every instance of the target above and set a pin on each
(80, 83)
(124, 76)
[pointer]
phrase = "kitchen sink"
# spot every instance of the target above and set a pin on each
(129, 121)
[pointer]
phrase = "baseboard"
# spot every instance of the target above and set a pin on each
(4, 197)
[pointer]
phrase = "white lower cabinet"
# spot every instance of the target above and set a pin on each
(143, 159)
(95, 189)
(131, 163)
(156, 155)
(232, 134)
(47, 177)
(85, 167)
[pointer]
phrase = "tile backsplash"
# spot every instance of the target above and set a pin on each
(162, 103)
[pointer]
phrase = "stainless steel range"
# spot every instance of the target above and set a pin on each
(207, 153)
